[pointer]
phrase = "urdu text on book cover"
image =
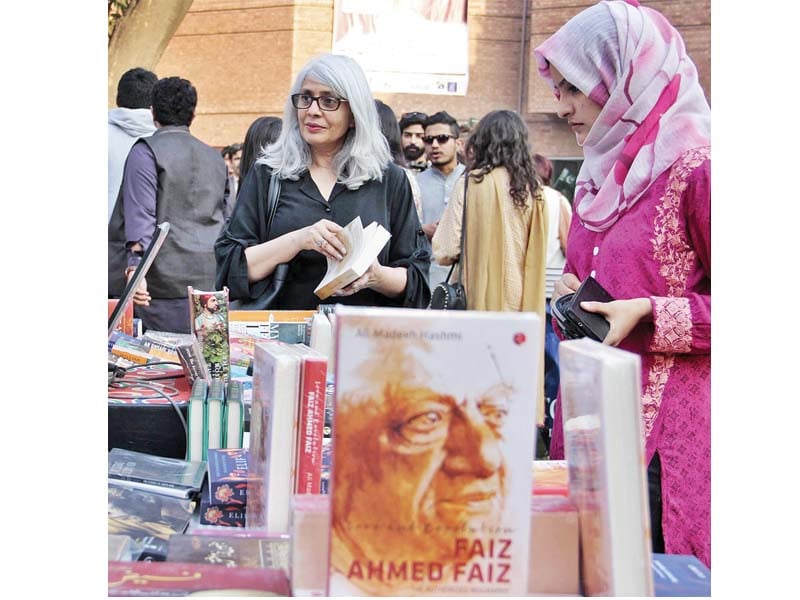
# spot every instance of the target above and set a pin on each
(433, 441)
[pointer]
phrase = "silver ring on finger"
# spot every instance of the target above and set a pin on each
(320, 243)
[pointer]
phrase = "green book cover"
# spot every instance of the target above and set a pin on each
(212, 430)
(196, 423)
(234, 416)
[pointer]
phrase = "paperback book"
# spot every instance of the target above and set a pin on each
(215, 403)
(273, 434)
(311, 415)
(222, 514)
(183, 579)
(433, 436)
(603, 443)
(190, 355)
(147, 518)
(209, 322)
(227, 475)
(289, 326)
(196, 421)
(170, 476)
(233, 422)
(362, 246)
(230, 551)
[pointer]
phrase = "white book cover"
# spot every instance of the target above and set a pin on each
(276, 381)
(433, 437)
(604, 447)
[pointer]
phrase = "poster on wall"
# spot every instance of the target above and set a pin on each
(406, 46)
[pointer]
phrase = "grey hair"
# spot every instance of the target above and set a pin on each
(365, 153)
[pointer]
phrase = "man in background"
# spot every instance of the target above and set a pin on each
(127, 123)
(170, 176)
(412, 128)
(233, 157)
(442, 144)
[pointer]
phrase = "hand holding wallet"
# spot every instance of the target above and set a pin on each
(575, 322)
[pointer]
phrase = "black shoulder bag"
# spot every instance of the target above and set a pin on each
(281, 272)
(451, 296)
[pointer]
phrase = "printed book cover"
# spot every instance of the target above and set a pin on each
(148, 518)
(273, 434)
(126, 322)
(227, 475)
(183, 579)
(213, 512)
(129, 468)
(190, 355)
(229, 551)
(604, 449)
(311, 413)
(209, 322)
(289, 326)
(433, 436)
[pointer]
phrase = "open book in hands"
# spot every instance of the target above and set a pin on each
(362, 244)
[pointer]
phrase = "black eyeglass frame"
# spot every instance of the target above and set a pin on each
(296, 101)
(441, 138)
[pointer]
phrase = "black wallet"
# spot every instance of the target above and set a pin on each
(575, 322)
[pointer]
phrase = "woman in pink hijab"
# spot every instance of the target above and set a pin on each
(642, 228)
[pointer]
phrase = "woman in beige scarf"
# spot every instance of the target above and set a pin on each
(506, 236)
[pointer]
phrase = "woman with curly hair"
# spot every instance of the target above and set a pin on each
(505, 247)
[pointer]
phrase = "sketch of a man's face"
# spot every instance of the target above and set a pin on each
(425, 466)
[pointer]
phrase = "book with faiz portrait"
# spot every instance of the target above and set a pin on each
(433, 431)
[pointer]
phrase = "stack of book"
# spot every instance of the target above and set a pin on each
(157, 474)
(289, 383)
(216, 417)
(224, 499)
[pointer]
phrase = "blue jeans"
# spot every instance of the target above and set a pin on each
(551, 378)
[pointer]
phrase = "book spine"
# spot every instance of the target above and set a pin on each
(193, 362)
(310, 430)
(147, 481)
(132, 355)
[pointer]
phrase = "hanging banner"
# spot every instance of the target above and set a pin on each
(406, 46)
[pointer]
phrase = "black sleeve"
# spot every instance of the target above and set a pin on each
(409, 246)
(247, 227)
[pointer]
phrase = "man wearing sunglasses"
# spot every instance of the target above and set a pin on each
(437, 182)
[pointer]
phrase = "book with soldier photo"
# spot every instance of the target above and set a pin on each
(209, 322)
(433, 435)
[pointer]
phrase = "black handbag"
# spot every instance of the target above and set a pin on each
(279, 275)
(453, 296)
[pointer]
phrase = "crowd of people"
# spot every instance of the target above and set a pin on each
(631, 95)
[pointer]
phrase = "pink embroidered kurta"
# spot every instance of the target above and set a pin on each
(661, 248)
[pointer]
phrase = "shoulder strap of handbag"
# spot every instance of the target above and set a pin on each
(461, 258)
(272, 199)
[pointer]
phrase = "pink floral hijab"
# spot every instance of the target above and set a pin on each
(633, 63)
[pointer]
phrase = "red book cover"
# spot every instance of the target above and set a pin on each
(311, 414)
(180, 579)
(126, 322)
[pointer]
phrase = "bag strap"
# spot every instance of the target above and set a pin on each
(461, 258)
(272, 199)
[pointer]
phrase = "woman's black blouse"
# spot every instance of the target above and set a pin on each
(389, 202)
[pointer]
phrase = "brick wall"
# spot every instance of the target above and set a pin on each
(242, 56)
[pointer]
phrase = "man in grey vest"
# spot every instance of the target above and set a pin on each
(170, 176)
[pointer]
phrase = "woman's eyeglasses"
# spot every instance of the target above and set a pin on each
(329, 103)
(442, 139)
